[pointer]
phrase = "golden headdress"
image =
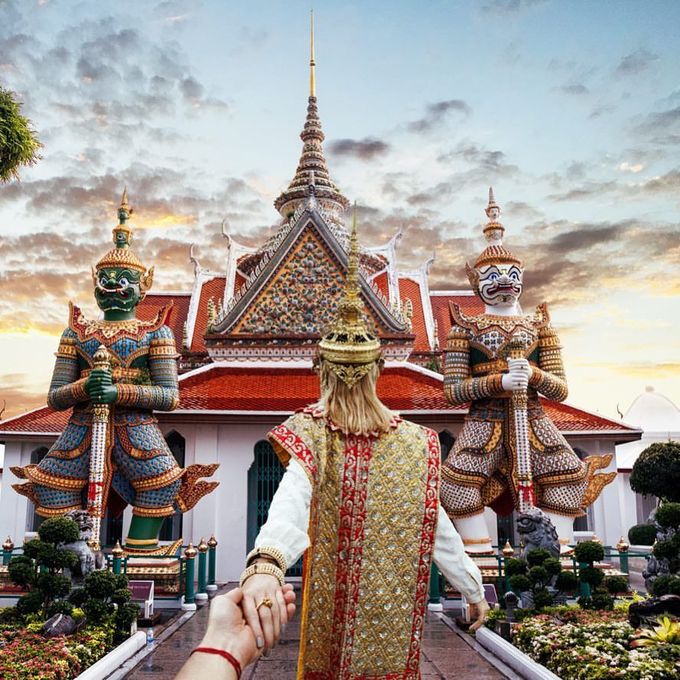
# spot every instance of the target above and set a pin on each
(122, 255)
(495, 252)
(350, 347)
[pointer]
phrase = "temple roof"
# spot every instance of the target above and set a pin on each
(281, 388)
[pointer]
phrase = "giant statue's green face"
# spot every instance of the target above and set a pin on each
(117, 289)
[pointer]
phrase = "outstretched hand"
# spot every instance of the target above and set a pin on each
(478, 612)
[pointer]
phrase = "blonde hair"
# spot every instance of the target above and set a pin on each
(357, 410)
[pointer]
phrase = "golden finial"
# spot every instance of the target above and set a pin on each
(117, 550)
(352, 289)
(190, 551)
(202, 545)
(312, 63)
(508, 550)
(212, 542)
(622, 545)
(8, 545)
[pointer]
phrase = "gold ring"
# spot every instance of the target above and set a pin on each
(266, 602)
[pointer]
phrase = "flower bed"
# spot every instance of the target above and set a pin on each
(27, 655)
(579, 644)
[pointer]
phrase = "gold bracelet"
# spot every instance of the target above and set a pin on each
(260, 568)
(270, 553)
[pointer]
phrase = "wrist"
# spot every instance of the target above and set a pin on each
(219, 640)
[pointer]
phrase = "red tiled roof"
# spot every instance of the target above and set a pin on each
(286, 389)
(270, 388)
(470, 304)
(149, 306)
(382, 283)
(210, 289)
(410, 289)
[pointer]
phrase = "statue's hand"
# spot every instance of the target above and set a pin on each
(100, 387)
(517, 378)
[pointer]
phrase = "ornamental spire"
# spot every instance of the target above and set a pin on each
(312, 63)
(312, 163)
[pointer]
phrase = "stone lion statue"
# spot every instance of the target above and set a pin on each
(537, 531)
(88, 560)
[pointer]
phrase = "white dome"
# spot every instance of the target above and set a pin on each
(652, 412)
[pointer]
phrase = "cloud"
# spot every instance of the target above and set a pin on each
(575, 89)
(601, 110)
(504, 7)
(636, 62)
(436, 113)
(586, 190)
(363, 149)
(660, 122)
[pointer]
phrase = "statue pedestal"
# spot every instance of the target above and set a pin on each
(188, 607)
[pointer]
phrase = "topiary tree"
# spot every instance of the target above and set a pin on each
(39, 568)
(656, 472)
(540, 576)
(642, 534)
(105, 598)
(663, 569)
(19, 144)
(587, 553)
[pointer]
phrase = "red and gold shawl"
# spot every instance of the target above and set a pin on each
(372, 526)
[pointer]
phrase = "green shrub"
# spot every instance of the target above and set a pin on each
(103, 584)
(656, 472)
(53, 586)
(665, 549)
(30, 603)
(22, 571)
(616, 584)
(537, 556)
(519, 583)
(552, 566)
(78, 596)
(566, 581)
(538, 576)
(97, 611)
(601, 599)
(642, 534)
(59, 607)
(515, 566)
(591, 575)
(59, 530)
(589, 552)
(666, 585)
(668, 515)
(542, 597)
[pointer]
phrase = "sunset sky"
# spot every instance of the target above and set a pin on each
(571, 110)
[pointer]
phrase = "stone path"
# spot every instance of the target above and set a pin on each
(445, 655)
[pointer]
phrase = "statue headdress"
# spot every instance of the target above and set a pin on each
(495, 252)
(122, 255)
(350, 347)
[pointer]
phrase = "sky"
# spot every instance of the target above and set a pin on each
(570, 109)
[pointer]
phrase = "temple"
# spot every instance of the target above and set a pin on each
(246, 336)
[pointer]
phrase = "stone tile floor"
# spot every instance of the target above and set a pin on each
(445, 655)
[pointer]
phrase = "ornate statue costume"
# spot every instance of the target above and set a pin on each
(365, 506)
(139, 468)
(482, 467)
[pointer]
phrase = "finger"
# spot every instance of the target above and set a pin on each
(288, 594)
(267, 626)
(276, 615)
(290, 610)
(236, 595)
(253, 619)
(283, 614)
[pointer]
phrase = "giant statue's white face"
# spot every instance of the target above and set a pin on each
(500, 285)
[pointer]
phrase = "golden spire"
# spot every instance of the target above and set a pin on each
(312, 63)
(350, 347)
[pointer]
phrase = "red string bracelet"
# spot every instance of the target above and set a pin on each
(225, 655)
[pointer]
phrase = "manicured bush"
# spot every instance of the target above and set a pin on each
(552, 566)
(665, 549)
(519, 583)
(591, 575)
(538, 576)
(515, 566)
(537, 556)
(668, 515)
(642, 534)
(656, 472)
(616, 584)
(589, 552)
(59, 530)
(542, 597)
(566, 582)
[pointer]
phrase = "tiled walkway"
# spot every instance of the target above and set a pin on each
(445, 655)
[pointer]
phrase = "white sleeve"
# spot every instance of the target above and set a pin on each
(288, 518)
(454, 563)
